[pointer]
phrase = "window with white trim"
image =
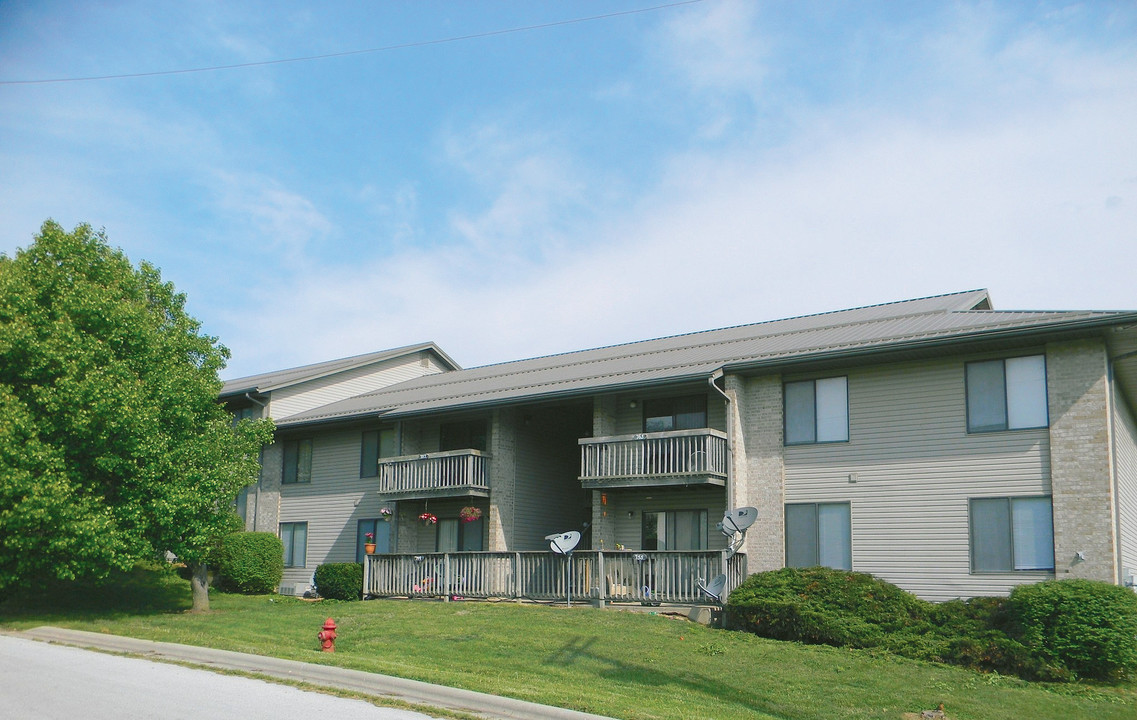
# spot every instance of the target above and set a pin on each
(1007, 394)
(819, 534)
(294, 535)
(816, 411)
(1011, 534)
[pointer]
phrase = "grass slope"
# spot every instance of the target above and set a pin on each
(626, 665)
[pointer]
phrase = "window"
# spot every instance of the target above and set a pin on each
(297, 461)
(294, 535)
(456, 536)
(467, 435)
(674, 530)
(245, 413)
(376, 444)
(683, 413)
(819, 534)
(817, 411)
(380, 530)
(1007, 394)
(1009, 534)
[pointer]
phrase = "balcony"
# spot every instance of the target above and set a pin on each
(454, 473)
(675, 457)
(598, 576)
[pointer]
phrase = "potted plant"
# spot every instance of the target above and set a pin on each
(385, 514)
(470, 514)
(369, 543)
(427, 519)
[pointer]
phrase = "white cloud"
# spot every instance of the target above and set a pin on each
(1033, 199)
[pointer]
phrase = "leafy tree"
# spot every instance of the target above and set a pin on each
(113, 447)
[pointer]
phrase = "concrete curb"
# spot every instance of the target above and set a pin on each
(411, 691)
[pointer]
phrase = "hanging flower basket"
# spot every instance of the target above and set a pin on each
(427, 519)
(385, 514)
(470, 514)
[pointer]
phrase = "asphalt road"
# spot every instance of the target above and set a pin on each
(39, 681)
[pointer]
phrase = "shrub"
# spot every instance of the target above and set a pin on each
(846, 609)
(824, 606)
(251, 562)
(1086, 628)
(340, 581)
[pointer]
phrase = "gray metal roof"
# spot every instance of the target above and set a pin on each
(891, 326)
(267, 382)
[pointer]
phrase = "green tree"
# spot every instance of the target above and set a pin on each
(113, 447)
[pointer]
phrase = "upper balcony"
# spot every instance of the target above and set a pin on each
(675, 457)
(453, 473)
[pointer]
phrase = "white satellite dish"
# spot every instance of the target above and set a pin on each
(714, 588)
(563, 543)
(735, 523)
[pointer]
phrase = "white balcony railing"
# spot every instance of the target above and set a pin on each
(670, 576)
(662, 458)
(454, 472)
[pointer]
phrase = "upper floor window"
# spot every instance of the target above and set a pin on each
(681, 413)
(297, 461)
(376, 444)
(1007, 394)
(464, 435)
(817, 411)
(245, 413)
(1009, 534)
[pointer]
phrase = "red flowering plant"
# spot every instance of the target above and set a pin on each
(470, 514)
(428, 519)
(370, 538)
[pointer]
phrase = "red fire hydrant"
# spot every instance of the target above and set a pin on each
(327, 636)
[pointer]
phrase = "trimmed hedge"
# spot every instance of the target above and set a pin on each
(1050, 631)
(250, 562)
(1084, 627)
(340, 581)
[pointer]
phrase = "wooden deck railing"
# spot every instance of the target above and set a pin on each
(434, 473)
(670, 576)
(677, 456)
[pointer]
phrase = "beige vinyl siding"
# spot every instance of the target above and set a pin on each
(629, 528)
(332, 504)
(916, 468)
(548, 495)
(1125, 474)
(321, 391)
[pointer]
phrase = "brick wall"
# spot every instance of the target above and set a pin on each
(1080, 460)
(759, 470)
(503, 480)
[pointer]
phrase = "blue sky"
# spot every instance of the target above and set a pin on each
(524, 193)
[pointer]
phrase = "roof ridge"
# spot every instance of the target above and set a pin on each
(450, 380)
(639, 371)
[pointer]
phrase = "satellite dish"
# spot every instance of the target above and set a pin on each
(734, 523)
(563, 543)
(714, 588)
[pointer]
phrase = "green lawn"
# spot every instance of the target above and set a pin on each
(626, 665)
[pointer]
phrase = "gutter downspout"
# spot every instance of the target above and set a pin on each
(257, 494)
(712, 381)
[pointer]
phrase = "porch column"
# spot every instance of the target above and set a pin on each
(603, 425)
(1081, 476)
(503, 479)
(759, 469)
